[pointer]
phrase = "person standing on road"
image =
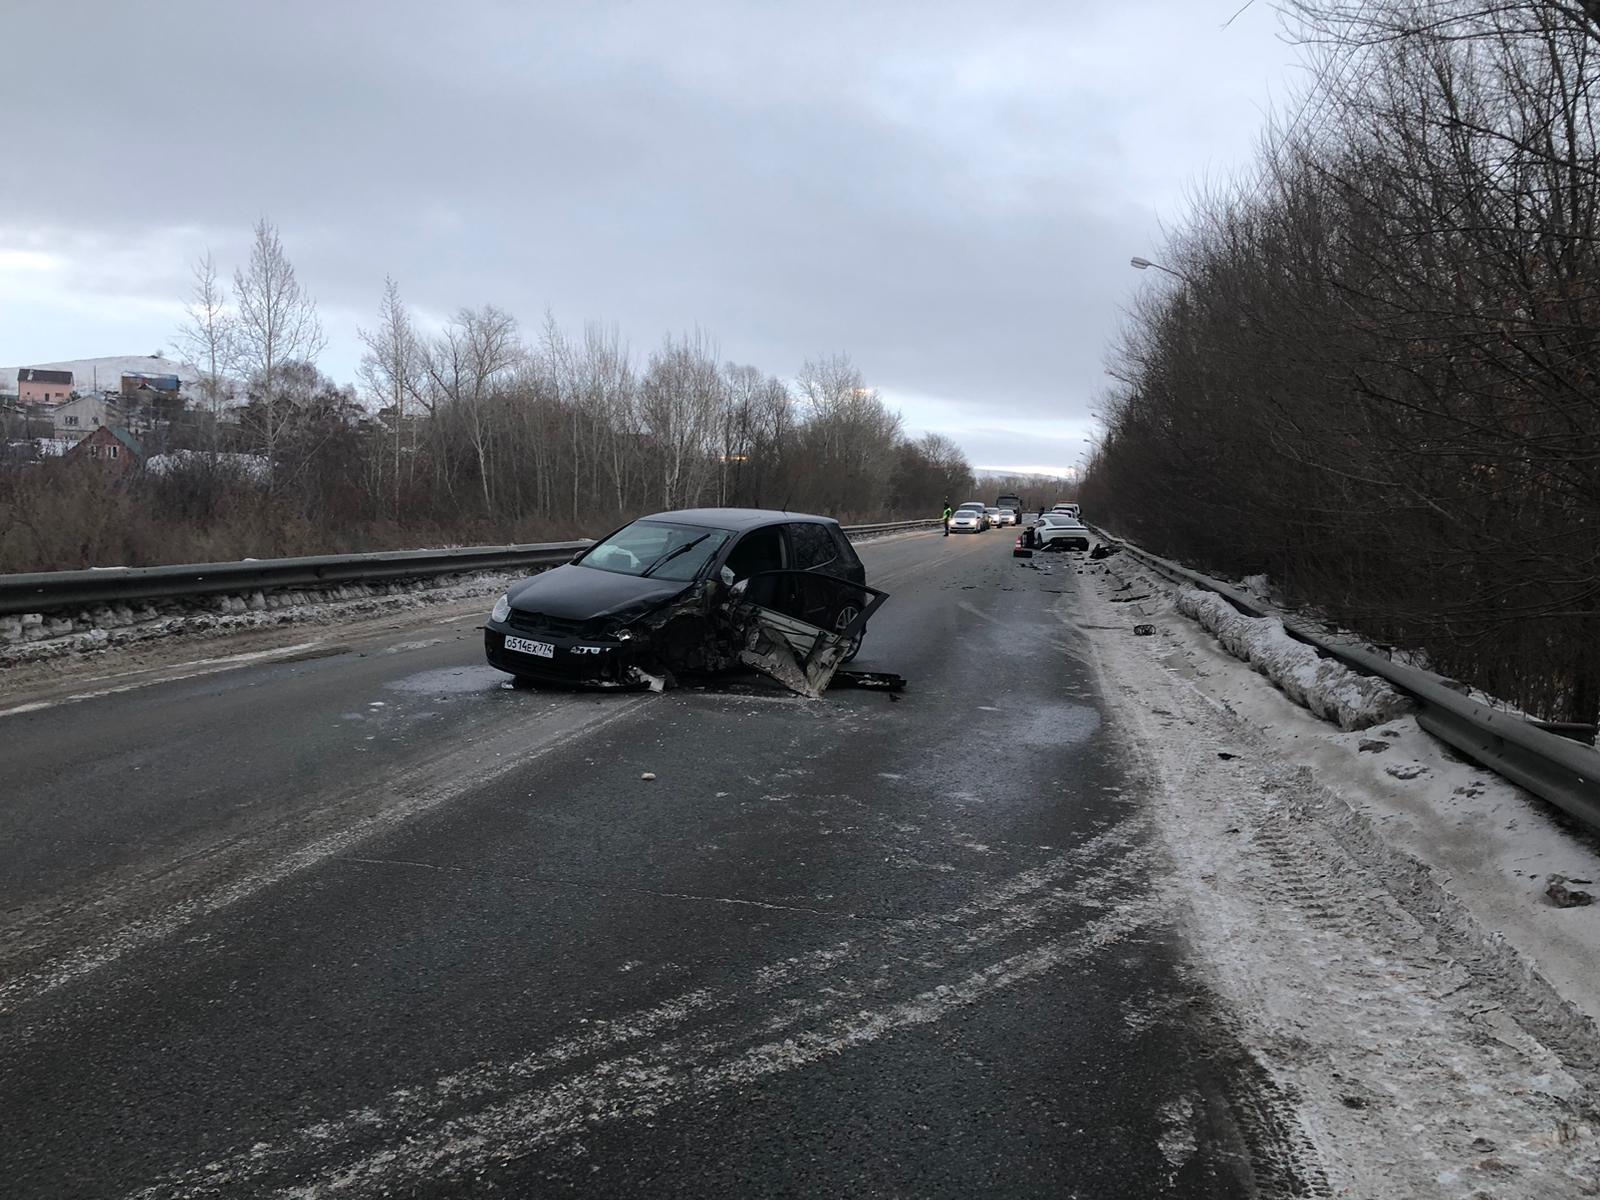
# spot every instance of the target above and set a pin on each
(947, 518)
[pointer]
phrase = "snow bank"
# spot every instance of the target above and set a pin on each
(1328, 688)
(250, 466)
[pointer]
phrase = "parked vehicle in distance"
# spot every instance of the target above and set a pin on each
(675, 591)
(1006, 516)
(1013, 502)
(968, 520)
(991, 516)
(1070, 510)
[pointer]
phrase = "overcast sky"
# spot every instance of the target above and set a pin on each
(949, 192)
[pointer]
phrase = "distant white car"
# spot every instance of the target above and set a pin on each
(1070, 510)
(967, 520)
(1008, 516)
(991, 516)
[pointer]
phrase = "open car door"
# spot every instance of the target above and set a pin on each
(798, 627)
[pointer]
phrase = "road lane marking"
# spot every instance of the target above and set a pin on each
(189, 670)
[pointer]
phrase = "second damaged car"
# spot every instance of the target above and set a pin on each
(696, 591)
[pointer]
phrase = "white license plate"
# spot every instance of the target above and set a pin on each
(524, 646)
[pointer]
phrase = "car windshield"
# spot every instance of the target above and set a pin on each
(658, 550)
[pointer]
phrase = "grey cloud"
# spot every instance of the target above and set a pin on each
(949, 192)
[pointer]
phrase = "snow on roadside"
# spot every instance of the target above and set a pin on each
(1372, 917)
(1327, 687)
(109, 628)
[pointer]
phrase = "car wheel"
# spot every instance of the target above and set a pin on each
(847, 614)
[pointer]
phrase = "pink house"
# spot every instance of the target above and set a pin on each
(43, 387)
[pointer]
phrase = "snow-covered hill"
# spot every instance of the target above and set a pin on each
(97, 374)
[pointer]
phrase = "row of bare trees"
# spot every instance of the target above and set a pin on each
(571, 426)
(469, 429)
(1377, 377)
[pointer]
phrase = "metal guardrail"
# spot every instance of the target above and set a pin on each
(50, 591)
(1563, 772)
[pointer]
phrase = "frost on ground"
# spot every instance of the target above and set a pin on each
(36, 637)
(1327, 687)
(1381, 944)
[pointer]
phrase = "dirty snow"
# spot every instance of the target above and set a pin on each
(1383, 943)
(1325, 686)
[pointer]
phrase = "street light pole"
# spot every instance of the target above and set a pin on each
(1144, 264)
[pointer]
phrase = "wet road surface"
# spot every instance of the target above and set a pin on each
(368, 923)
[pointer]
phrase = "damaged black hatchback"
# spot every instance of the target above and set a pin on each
(699, 590)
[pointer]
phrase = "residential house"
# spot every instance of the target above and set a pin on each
(142, 381)
(111, 447)
(80, 417)
(37, 386)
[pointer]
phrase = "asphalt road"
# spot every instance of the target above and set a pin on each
(362, 921)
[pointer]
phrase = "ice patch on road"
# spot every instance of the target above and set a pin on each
(449, 681)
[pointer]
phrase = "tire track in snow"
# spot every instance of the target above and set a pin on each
(643, 1062)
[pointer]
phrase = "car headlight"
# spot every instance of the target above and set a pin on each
(502, 608)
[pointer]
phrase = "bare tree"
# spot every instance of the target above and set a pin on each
(680, 398)
(392, 367)
(467, 364)
(276, 322)
(207, 339)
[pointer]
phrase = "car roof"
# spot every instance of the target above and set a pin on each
(735, 518)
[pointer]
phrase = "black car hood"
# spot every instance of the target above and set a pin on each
(578, 593)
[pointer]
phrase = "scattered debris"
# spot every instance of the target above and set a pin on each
(1126, 599)
(1371, 746)
(1225, 755)
(648, 776)
(1563, 896)
(1101, 550)
(1406, 770)
(883, 681)
(1143, 630)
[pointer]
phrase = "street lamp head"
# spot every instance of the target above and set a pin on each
(1139, 264)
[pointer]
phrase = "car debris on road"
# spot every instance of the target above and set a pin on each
(1563, 896)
